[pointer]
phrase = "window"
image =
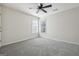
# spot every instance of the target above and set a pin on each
(35, 26)
(43, 26)
(38, 26)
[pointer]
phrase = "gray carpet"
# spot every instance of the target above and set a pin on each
(40, 47)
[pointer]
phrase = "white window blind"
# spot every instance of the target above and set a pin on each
(35, 25)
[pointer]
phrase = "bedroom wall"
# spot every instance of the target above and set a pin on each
(63, 26)
(16, 26)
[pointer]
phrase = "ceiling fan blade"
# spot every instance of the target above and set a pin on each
(47, 6)
(41, 4)
(44, 10)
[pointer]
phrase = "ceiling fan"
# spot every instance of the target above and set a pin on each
(42, 7)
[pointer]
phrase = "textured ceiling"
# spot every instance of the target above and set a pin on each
(31, 8)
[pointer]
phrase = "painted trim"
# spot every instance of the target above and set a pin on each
(56, 39)
(26, 39)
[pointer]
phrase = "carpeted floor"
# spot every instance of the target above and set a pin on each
(40, 47)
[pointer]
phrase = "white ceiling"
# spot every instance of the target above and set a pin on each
(26, 7)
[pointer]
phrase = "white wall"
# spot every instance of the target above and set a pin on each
(16, 26)
(0, 26)
(63, 26)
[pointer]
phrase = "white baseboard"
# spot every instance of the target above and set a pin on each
(56, 39)
(32, 37)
